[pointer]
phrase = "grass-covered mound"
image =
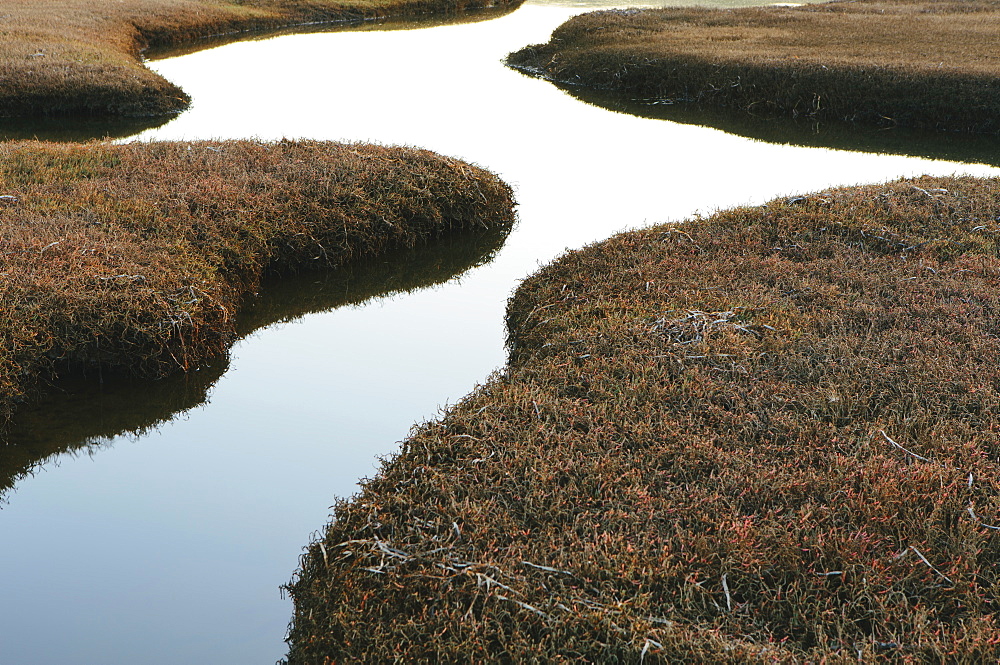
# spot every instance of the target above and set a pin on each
(135, 258)
(770, 435)
(82, 413)
(920, 63)
(84, 56)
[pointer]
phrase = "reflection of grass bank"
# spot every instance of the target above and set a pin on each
(74, 129)
(917, 63)
(80, 413)
(136, 257)
(696, 454)
(969, 148)
(84, 56)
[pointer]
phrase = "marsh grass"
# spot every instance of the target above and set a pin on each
(916, 63)
(769, 435)
(84, 57)
(85, 410)
(135, 258)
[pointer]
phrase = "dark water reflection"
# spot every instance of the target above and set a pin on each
(84, 412)
(75, 129)
(949, 146)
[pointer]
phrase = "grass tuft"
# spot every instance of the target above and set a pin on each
(769, 435)
(135, 258)
(912, 63)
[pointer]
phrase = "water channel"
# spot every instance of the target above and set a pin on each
(155, 524)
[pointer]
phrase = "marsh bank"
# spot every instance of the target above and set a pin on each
(737, 439)
(906, 63)
(218, 501)
(136, 258)
(79, 57)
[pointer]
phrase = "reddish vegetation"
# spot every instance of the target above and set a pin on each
(770, 435)
(80, 415)
(136, 257)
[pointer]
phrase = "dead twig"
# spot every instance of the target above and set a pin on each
(546, 568)
(931, 566)
(908, 452)
(526, 606)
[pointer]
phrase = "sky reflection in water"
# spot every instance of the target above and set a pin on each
(170, 547)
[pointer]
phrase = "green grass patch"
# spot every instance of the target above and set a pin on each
(136, 258)
(913, 63)
(84, 57)
(769, 435)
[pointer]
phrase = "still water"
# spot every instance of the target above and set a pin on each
(168, 543)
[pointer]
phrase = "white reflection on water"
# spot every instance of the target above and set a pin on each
(171, 548)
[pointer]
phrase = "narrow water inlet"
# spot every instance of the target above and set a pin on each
(90, 406)
(170, 546)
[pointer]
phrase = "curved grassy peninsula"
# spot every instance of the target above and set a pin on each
(919, 63)
(60, 57)
(78, 418)
(135, 258)
(770, 435)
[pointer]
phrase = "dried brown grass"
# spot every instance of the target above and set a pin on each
(83, 57)
(85, 410)
(688, 458)
(921, 63)
(136, 257)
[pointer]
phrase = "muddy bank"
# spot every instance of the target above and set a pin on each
(873, 62)
(769, 435)
(136, 258)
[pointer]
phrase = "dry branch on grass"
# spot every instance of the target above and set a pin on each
(84, 56)
(685, 461)
(920, 63)
(136, 257)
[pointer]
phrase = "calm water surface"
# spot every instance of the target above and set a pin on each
(169, 546)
